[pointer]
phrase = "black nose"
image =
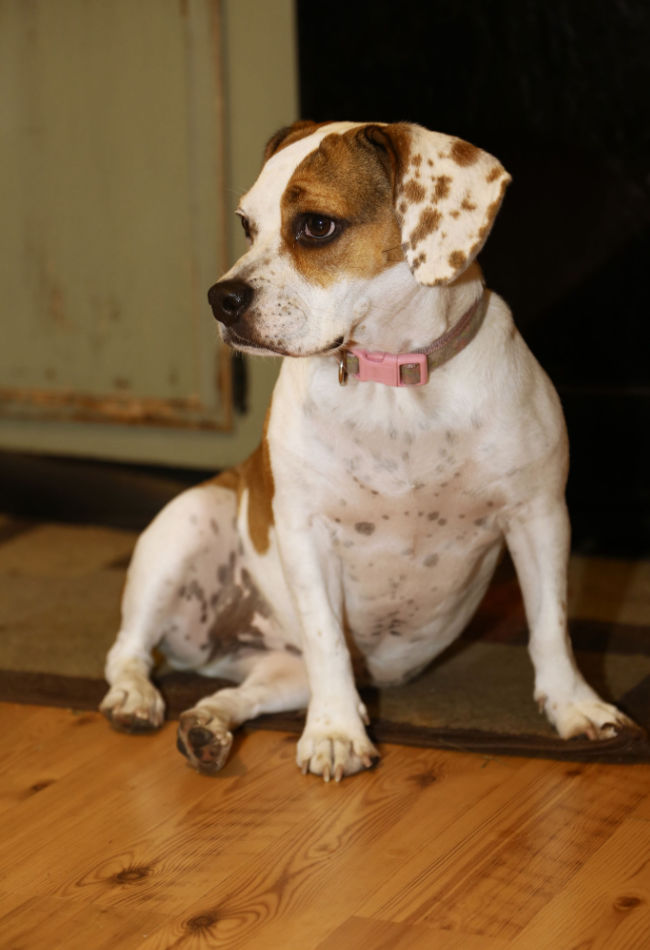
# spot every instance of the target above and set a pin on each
(229, 300)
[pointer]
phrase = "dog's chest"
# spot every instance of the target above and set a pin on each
(408, 514)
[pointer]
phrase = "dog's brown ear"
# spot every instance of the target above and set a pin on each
(288, 135)
(447, 194)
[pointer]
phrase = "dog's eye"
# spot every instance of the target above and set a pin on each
(247, 228)
(317, 228)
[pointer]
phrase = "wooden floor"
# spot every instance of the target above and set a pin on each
(112, 841)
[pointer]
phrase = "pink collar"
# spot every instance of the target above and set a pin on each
(411, 369)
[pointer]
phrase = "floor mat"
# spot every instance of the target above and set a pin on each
(60, 587)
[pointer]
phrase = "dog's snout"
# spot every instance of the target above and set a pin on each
(229, 300)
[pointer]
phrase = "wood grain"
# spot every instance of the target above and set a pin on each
(112, 841)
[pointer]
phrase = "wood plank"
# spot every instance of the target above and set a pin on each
(38, 749)
(128, 847)
(362, 932)
(345, 841)
(139, 812)
(52, 922)
(643, 808)
(493, 871)
(607, 905)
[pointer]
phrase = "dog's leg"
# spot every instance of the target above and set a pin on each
(538, 540)
(192, 535)
(277, 682)
(334, 742)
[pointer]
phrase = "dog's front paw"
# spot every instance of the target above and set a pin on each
(204, 740)
(590, 717)
(134, 706)
(334, 753)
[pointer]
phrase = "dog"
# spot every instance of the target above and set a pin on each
(410, 434)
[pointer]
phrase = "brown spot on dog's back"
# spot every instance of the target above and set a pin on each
(493, 175)
(428, 222)
(463, 153)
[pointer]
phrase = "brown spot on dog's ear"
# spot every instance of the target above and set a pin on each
(443, 185)
(457, 259)
(463, 153)
(467, 204)
(494, 174)
(491, 214)
(414, 191)
(428, 222)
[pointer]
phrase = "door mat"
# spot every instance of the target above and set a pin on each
(60, 589)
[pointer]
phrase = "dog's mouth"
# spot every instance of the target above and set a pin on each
(247, 345)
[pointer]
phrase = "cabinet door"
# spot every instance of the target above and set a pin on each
(128, 130)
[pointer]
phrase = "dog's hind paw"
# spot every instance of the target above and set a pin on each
(333, 755)
(588, 717)
(134, 707)
(204, 740)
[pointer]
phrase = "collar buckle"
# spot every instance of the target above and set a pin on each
(402, 369)
(412, 369)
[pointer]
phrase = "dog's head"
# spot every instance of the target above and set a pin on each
(343, 213)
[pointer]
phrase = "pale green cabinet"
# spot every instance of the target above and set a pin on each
(128, 130)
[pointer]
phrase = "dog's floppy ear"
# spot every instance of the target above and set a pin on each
(447, 194)
(288, 135)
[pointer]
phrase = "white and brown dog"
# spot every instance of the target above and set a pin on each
(410, 433)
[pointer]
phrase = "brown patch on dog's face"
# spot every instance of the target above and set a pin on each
(290, 134)
(343, 182)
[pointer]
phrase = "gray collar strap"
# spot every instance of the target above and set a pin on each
(412, 369)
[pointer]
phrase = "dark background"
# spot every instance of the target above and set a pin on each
(558, 91)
